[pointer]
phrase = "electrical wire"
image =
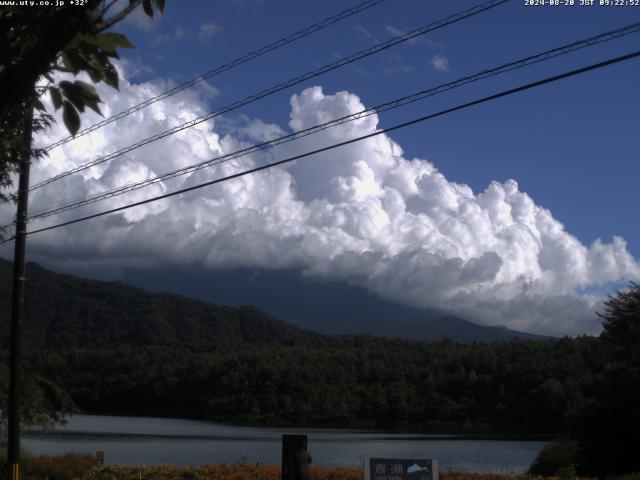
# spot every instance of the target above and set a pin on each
(281, 86)
(396, 103)
(223, 68)
(489, 98)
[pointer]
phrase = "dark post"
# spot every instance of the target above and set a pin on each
(291, 444)
(17, 308)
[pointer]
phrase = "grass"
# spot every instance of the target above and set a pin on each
(251, 472)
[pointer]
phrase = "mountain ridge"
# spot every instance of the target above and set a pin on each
(321, 305)
(65, 311)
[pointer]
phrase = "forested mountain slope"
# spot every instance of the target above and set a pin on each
(63, 311)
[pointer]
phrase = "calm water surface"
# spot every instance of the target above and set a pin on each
(155, 441)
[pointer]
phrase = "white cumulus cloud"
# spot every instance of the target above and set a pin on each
(440, 63)
(363, 213)
(207, 31)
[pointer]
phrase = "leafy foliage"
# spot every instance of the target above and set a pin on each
(76, 42)
(558, 458)
(621, 322)
(607, 429)
(43, 402)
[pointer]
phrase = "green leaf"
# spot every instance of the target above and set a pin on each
(75, 41)
(73, 59)
(67, 62)
(87, 90)
(100, 60)
(56, 97)
(95, 107)
(160, 5)
(70, 117)
(89, 95)
(38, 105)
(102, 57)
(111, 76)
(109, 41)
(95, 73)
(94, 69)
(148, 9)
(73, 94)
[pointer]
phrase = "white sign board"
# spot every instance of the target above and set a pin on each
(400, 469)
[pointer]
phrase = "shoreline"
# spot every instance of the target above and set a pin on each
(407, 434)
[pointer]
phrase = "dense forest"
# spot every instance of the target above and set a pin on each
(517, 386)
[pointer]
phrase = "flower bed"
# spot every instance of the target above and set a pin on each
(252, 472)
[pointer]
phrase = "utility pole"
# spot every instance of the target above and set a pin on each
(17, 305)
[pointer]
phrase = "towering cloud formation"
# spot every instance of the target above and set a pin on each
(363, 213)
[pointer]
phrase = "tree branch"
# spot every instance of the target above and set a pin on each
(110, 22)
(108, 5)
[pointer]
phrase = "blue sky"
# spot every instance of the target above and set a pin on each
(573, 146)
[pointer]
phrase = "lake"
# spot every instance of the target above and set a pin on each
(155, 441)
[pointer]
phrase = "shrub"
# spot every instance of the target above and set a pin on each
(60, 467)
(628, 476)
(557, 458)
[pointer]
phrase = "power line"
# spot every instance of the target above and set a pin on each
(505, 93)
(521, 63)
(289, 83)
(223, 68)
